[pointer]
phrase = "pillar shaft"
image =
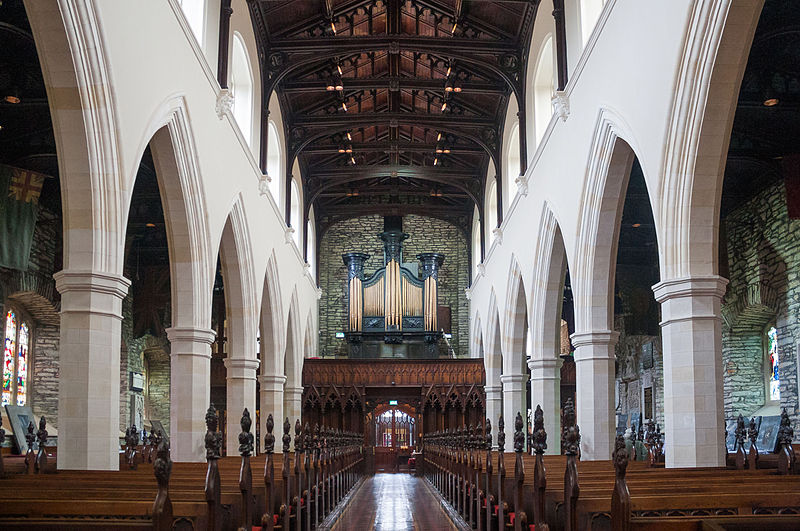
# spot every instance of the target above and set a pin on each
(271, 400)
(292, 402)
(594, 379)
(691, 334)
(546, 392)
(89, 380)
(514, 397)
(494, 407)
(190, 370)
(241, 394)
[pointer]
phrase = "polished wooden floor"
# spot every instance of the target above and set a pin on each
(394, 502)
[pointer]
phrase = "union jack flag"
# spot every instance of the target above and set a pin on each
(25, 186)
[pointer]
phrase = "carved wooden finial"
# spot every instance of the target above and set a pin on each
(41, 437)
(162, 468)
(538, 438)
(213, 440)
(785, 450)
(298, 437)
(752, 455)
(740, 434)
(245, 437)
(269, 438)
(519, 437)
(570, 432)
(487, 430)
(308, 438)
(620, 497)
(501, 435)
(287, 438)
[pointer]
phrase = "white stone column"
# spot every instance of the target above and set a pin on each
(494, 407)
(271, 400)
(241, 394)
(691, 335)
(292, 403)
(546, 392)
(513, 398)
(88, 385)
(594, 382)
(190, 380)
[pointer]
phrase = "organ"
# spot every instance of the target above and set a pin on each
(393, 311)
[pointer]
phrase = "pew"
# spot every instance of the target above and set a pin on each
(216, 495)
(566, 493)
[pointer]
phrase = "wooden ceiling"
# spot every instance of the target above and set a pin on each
(396, 57)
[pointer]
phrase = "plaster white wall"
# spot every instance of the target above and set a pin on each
(624, 85)
(101, 70)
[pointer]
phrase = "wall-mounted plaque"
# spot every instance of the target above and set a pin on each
(647, 355)
(768, 434)
(648, 402)
(20, 417)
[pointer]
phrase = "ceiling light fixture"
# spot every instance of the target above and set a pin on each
(333, 27)
(349, 136)
(352, 160)
(771, 102)
(444, 106)
(12, 98)
(436, 161)
(344, 106)
(453, 31)
(150, 225)
(448, 85)
(457, 85)
(342, 149)
(348, 149)
(636, 225)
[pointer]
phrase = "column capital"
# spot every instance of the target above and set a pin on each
(594, 337)
(271, 380)
(240, 363)
(701, 286)
(550, 364)
(292, 390)
(70, 280)
(513, 378)
(493, 389)
(192, 334)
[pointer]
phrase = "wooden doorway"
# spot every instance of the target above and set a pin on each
(395, 437)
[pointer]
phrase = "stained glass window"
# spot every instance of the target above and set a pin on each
(8, 356)
(772, 352)
(16, 350)
(22, 364)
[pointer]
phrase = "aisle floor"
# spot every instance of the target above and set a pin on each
(394, 502)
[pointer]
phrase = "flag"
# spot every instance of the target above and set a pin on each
(19, 200)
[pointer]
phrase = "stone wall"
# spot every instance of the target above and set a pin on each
(638, 370)
(32, 292)
(361, 234)
(763, 255)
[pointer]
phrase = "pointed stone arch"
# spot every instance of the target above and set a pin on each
(515, 369)
(273, 336)
(81, 98)
(75, 71)
(715, 55)
(608, 170)
(271, 347)
(183, 198)
(308, 338)
(549, 271)
(493, 360)
(241, 315)
(476, 344)
(293, 361)
(516, 320)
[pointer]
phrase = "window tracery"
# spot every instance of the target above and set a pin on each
(16, 354)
